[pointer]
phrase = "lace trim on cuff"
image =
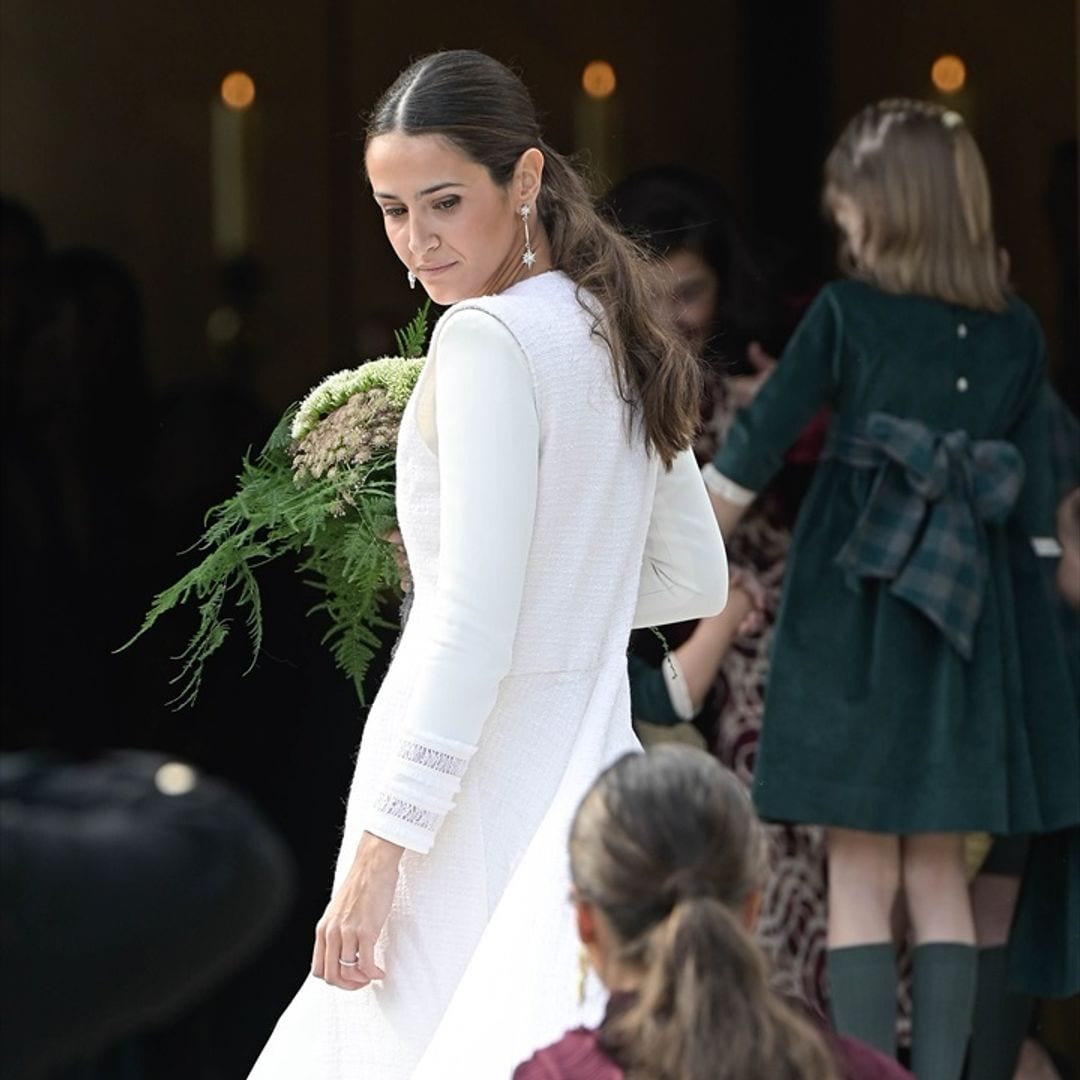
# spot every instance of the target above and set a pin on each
(410, 813)
(440, 761)
(418, 789)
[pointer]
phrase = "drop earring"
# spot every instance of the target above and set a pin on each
(583, 973)
(528, 256)
(412, 280)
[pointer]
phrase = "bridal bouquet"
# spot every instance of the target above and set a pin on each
(321, 491)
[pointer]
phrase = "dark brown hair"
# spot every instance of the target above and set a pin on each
(667, 846)
(484, 110)
(912, 168)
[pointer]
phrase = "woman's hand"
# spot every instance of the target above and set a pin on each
(402, 560)
(744, 388)
(1068, 529)
(346, 934)
(746, 585)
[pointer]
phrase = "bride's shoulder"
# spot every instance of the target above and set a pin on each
(534, 300)
(471, 319)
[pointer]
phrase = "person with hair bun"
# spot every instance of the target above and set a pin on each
(667, 859)
(549, 501)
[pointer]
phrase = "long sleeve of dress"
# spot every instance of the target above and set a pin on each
(803, 381)
(487, 441)
(684, 572)
(488, 444)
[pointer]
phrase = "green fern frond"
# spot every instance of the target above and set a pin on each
(332, 525)
(411, 341)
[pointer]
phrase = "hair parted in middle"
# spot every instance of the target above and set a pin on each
(913, 170)
(483, 109)
(668, 847)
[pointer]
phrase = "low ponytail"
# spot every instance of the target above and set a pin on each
(704, 1010)
(658, 377)
(667, 847)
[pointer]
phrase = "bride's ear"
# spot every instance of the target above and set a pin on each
(528, 175)
(585, 915)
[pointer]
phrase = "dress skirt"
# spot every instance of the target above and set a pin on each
(874, 721)
(480, 948)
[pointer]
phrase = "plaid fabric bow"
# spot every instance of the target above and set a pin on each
(922, 526)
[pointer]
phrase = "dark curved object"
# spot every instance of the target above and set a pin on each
(121, 904)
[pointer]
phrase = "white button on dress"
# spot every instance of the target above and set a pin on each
(962, 384)
(961, 330)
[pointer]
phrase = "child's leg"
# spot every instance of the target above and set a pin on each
(864, 877)
(1001, 1017)
(943, 960)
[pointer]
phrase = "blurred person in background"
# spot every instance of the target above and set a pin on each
(707, 683)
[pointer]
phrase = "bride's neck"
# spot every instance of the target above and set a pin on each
(512, 269)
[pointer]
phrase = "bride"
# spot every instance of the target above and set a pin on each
(548, 503)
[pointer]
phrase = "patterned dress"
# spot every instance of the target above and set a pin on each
(793, 921)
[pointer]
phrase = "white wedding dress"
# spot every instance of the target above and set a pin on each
(538, 532)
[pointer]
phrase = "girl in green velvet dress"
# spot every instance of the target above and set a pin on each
(918, 690)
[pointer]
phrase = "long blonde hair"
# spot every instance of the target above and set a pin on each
(667, 846)
(483, 108)
(913, 170)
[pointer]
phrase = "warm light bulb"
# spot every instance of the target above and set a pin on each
(238, 90)
(598, 79)
(175, 778)
(948, 73)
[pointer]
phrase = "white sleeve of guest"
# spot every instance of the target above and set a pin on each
(684, 574)
(720, 485)
(488, 449)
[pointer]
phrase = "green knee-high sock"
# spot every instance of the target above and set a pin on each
(862, 994)
(943, 1001)
(1001, 1021)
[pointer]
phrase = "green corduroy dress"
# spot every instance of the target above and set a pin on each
(874, 720)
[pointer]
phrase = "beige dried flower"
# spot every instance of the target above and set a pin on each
(351, 435)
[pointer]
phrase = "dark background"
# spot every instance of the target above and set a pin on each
(104, 122)
(105, 134)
